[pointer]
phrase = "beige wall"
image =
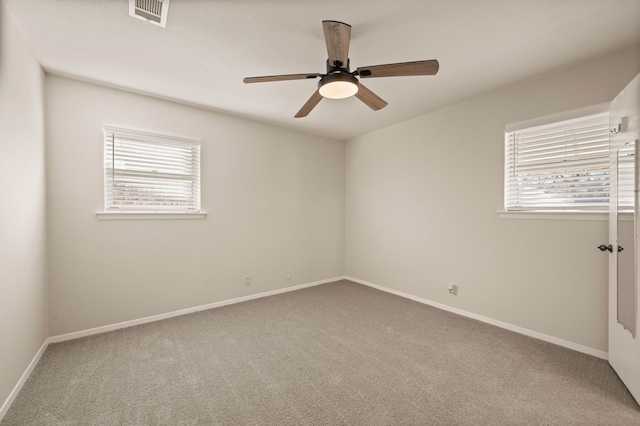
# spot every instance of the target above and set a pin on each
(274, 197)
(421, 207)
(23, 284)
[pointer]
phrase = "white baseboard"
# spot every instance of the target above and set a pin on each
(527, 332)
(125, 324)
(131, 323)
(16, 389)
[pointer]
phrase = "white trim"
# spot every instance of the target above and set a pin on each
(564, 215)
(16, 389)
(159, 317)
(131, 323)
(149, 215)
(561, 116)
(525, 331)
(155, 137)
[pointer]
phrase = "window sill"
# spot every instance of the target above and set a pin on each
(149, 215)
(564, 215)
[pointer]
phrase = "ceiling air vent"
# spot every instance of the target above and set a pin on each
(154, 11)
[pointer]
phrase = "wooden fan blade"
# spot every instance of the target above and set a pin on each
(371, 99)
(402, 69)
(280, 77)
(337, 35)
(309, 105)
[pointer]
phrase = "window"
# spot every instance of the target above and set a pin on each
(144, 172)
(626, 184)
(562, 165)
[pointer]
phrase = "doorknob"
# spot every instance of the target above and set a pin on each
(602, 247)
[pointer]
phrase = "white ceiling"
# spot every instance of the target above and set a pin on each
(208, 46)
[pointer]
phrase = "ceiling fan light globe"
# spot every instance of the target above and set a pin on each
(338, 89)
(338, 85)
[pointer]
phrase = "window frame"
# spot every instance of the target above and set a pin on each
(139, 211)
(566, 213)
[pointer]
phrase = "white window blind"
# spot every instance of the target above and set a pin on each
(559, 166)
(150, 173)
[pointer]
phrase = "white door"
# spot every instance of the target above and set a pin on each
(624, 267)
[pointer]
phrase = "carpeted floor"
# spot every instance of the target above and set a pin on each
(335, 354)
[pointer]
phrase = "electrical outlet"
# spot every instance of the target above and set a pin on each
(452, 288)
(287, 275)
(247, 280)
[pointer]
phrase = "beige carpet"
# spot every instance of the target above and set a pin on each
(335, 354)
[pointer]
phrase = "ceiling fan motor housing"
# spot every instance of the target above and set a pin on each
(337, 66)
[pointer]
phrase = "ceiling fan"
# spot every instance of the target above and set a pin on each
(339, 82)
